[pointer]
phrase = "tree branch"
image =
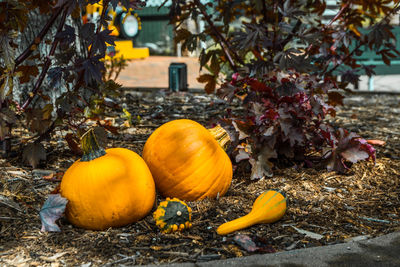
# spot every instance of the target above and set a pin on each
(46, 65)
(362, 42)
(264, 8)
(36, 41)
(222, 41)
(336, 17)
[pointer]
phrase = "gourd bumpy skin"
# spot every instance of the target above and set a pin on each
(187, 162)
(110, 191)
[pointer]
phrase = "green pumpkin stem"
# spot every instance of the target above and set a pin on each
(90, 146)
(221, 136)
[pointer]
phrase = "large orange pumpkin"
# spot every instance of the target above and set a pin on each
(188, 161)
(107, 188)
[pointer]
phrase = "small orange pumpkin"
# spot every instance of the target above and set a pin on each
(188, 161)
(107, 188)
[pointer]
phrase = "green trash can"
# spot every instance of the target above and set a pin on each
(177, 77)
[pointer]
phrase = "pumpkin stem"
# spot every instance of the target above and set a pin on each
(221, 136)
(90, 146)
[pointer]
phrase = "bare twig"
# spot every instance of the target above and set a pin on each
(222, 41)
(336, 17)
(124, 259)
(46, 65)
(36, 41)
(264, 7)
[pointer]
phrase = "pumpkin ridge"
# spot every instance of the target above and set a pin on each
(212, 186)
(226, 171)
(167, 171)
(156, 169)
(210, 143)
(220, 185)
(228, 182)
(195, 174)
(186, 163)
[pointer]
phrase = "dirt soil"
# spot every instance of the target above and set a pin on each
(323, 207)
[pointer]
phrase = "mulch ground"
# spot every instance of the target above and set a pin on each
(323, 207)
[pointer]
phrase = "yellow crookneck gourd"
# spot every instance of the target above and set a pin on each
(269, 207)
(107, 188)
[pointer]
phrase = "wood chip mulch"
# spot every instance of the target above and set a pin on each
(323, 207)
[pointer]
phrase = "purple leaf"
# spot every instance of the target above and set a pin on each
(99, 41)
(354, 154)
(242, 155)
(262, 167)
(92, 67)
(255, 244)
(87, 31)
(67, 35)
(51, 211)
(269, 131)
(242, 134)
(227, 92)
(245, 242)
(346, 147)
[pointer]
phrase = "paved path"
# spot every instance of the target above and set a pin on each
(152, 72)
(382, 251)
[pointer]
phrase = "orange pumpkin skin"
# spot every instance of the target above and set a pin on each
(187, 162)
(110, 191)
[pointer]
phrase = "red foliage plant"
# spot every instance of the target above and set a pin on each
(285, 117)
(283, 60)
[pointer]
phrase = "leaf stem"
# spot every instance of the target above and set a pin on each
(90, 54)
(103, 14)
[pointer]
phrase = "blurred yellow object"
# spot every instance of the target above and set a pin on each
(124, 23)
(126, 49)
(119, 28)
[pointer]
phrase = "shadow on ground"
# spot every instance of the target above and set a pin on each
(372, 255)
